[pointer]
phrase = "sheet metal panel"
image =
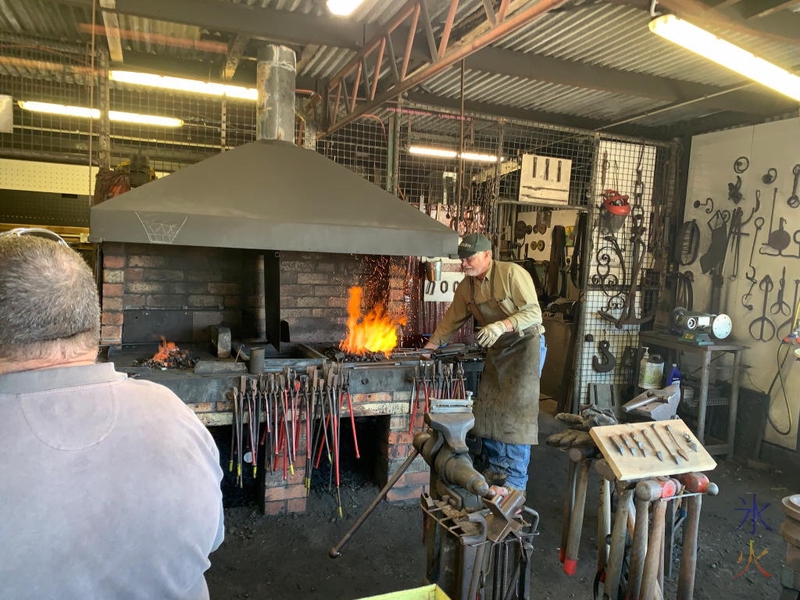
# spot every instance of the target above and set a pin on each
(271, 195)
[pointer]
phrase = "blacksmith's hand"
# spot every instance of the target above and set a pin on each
(488, 335)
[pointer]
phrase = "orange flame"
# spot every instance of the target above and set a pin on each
(166, 350)
(374, 332)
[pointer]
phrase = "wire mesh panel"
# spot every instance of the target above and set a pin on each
(362, 147)
(44, 72)
(624, 273)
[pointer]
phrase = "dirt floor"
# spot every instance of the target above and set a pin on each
(287, 557)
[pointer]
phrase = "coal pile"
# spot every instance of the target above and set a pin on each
(336, 354)
(178, 359)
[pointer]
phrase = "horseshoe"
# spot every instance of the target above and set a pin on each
(608, 363)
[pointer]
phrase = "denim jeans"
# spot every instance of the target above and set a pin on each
(513, 459)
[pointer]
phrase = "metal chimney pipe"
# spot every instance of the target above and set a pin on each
(275, 82)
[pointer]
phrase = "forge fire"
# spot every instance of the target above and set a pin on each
(374, 332)
(169, 356)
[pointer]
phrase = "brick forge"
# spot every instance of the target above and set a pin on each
(216, 286)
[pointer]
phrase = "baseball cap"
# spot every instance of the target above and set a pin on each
(472, 244)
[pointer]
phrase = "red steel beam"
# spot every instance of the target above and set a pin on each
(455, 53)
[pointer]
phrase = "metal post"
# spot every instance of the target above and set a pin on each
(587, 253)
(223, 128)
(392, 153)
(104, 133)
(275, 81)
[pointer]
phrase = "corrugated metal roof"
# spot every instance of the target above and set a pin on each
(617, 36)
(41, 19)
(536, 95)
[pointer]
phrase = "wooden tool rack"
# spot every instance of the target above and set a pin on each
(707, 354)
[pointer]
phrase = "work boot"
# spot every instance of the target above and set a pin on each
(495, 477)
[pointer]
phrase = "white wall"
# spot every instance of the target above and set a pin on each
(772, 145)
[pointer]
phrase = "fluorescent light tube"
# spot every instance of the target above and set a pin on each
(93, 113)
(427, 151)
(179, 84)
(726, 54)
(445, 153)
(343, 8)
(474, 156)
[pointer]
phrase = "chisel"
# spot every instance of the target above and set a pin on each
(627, 443)
(639, 444)
(680, 450)
(658, 452)
(689, 441)
(616, 443)
(663, 443)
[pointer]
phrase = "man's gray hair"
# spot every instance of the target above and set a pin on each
(49, 305)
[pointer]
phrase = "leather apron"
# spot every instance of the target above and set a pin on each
(507, 405)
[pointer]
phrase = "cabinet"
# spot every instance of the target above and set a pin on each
(707, 354)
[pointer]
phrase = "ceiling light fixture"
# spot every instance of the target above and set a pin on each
(445, 153)
(726, 54)
(179, 84)
(342, 8)
(93, 113)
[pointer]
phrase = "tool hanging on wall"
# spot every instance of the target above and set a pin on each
(741, 164)
(638, 187)
(608, 362)
(715, 255)
(628, 311)
(762, 329)
(770, 176)
(735, 235)
(556, 275)
(688, 243)
(576, 266)
(750, 274)
(785, 328)
(684, 289)
(613, 211)
(735, 191)
(778, 239)
(748, 297)
(708, 205)
(794, 201)
(780, 306)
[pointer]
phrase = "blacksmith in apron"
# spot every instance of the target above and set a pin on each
(502, 299)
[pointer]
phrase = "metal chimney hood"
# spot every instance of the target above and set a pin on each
(271, 194)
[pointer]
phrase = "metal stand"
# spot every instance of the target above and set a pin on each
(663, 340)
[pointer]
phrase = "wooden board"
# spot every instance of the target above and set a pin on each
(630, 466)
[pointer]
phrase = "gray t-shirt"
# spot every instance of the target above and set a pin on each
(109, 488)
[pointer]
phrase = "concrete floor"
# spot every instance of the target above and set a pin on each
(286, 557)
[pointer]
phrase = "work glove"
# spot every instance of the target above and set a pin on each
(591, 416)
(579, 426)
(488, 335)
